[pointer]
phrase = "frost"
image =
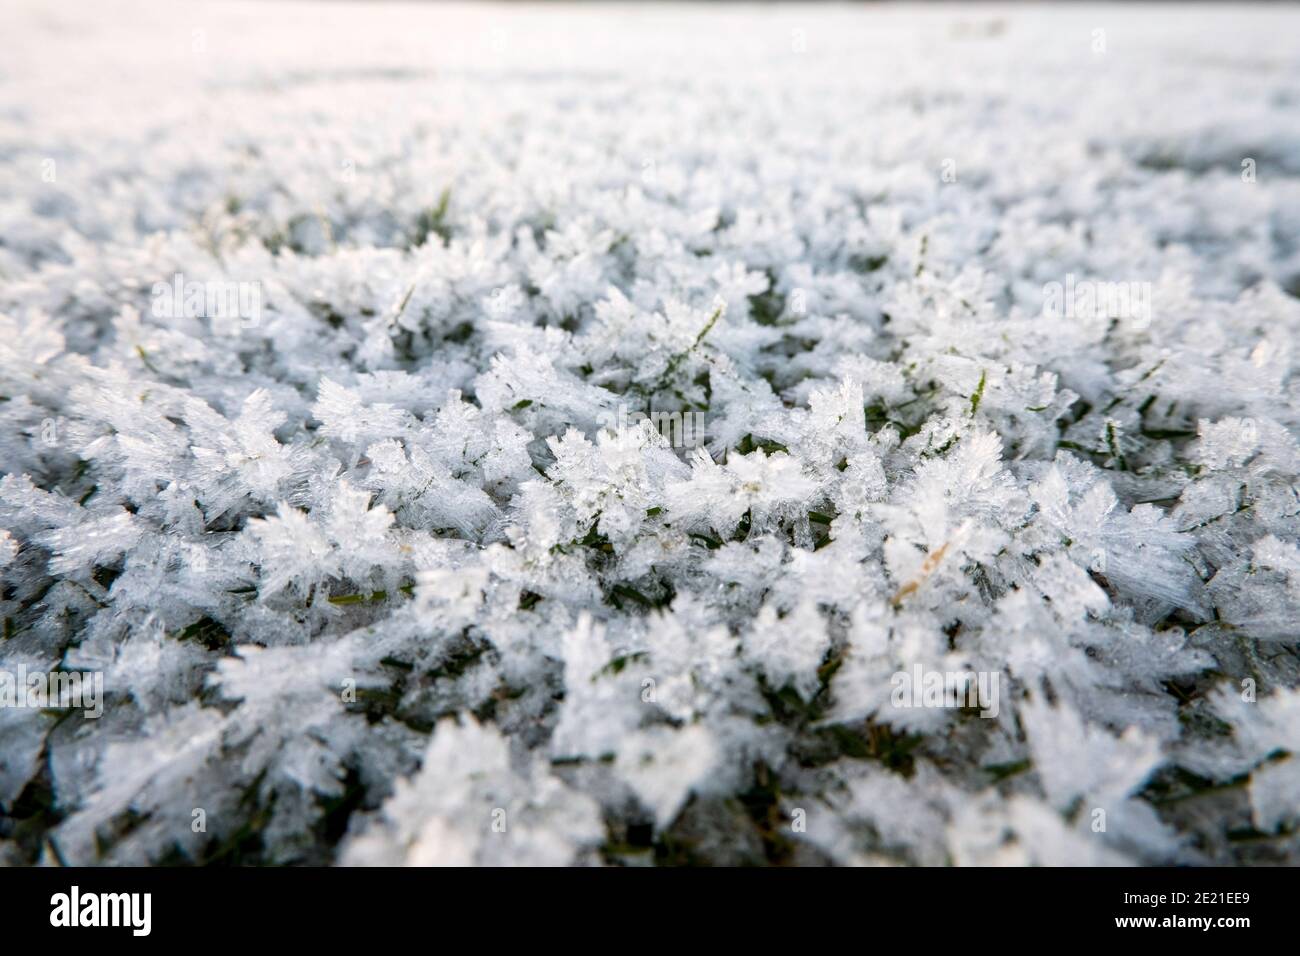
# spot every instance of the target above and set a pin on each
(467, 806)
(1265, 741)
(664, 766)
(408, 562)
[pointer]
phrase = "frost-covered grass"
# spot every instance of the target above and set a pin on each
(383, 568)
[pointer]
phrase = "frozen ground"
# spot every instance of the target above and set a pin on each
(381, 567)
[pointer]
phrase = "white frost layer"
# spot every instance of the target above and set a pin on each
(388, 552)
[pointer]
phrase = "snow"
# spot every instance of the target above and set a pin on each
(342, 350)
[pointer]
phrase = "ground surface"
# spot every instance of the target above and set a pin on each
(371, 572)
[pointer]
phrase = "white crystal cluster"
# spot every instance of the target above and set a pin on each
(374, 575)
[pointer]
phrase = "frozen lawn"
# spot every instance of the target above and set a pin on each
(325, 335)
